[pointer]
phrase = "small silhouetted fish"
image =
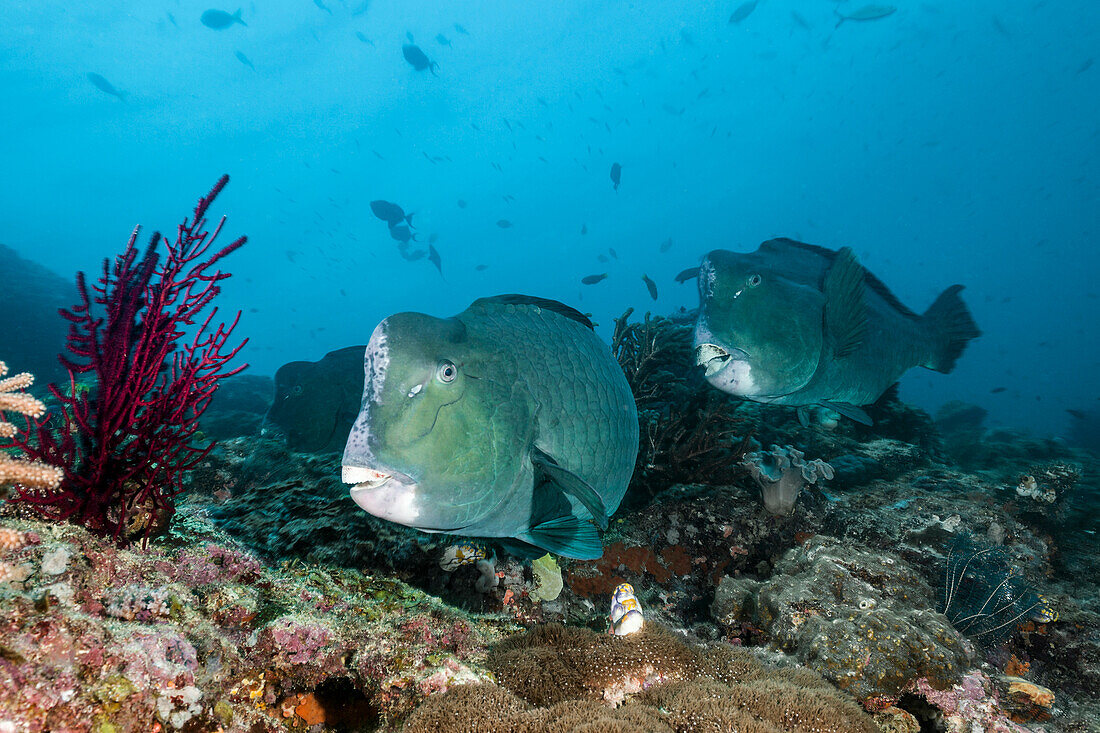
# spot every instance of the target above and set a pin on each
(688, 274)
(504, 224)
(867, 12)
(390, 212)
(461, 30)
(593, 279)
(103, 85)
(611, 251)
(402, 234)
(481, 268)
(220, 20)
(584, 229)
(666, 245)
(244, 60)
(433, 257)
(461, 204)
(651, 286)
(363, 38)
(442, 40)
(172, 20)
(800, 21)
(1084, 67)
(743, 11)
(616, 174)
(997, 390)
(602, 258)
(322, 6)
(409, 36)
(418, 59)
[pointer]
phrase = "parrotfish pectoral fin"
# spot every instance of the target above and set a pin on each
(570, 483)
(568, 536)
(850, 411)
(845, 312)
(803, 417)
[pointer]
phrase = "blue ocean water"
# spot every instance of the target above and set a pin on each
(947, 142)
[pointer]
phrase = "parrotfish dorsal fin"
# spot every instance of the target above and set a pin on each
(873, 282)
(845, 311)
(545, 303)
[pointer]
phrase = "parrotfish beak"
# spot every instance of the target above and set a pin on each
(728, 370)
(387, 495)
(711, 356)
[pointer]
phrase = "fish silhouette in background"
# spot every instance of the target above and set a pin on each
(316, 402)
(105, 86)
(219, 20)
(418, 59)
(616, 175)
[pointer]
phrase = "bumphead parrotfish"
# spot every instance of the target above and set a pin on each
(316, 402)
(510, 420)
(800, 325)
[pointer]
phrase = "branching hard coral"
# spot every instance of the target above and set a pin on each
(781, 473)
(126, 444)
(689, 432)
(28, 474)
(984, 597)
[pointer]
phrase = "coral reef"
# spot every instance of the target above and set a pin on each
(553, 678)
(28, 475)
(689, 432)
(781, 473)
(196, 634)
(861, 618)
(126, 445)
(984, 597)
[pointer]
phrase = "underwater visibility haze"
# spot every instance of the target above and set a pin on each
(649, 366)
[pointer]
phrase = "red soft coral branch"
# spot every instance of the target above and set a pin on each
(126, 445)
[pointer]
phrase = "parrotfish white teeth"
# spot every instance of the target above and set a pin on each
(363, 478)
(461, 554)
(626, 612)
(712, 356)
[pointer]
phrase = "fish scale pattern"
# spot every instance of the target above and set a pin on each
(587, 419)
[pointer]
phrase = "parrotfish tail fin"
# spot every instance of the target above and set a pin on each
(237, 17)
(952, 327)
(432, 67)
(409, 218)
(566, 536)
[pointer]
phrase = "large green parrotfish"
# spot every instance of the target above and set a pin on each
(800, 325)
(510, 420)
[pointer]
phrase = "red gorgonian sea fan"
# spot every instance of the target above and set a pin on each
(126, 443)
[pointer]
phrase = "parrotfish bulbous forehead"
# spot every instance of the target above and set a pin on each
(402, 356)
(758, 333)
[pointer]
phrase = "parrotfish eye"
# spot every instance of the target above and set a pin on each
(753, 280)
(297, 390)
(446, 372)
